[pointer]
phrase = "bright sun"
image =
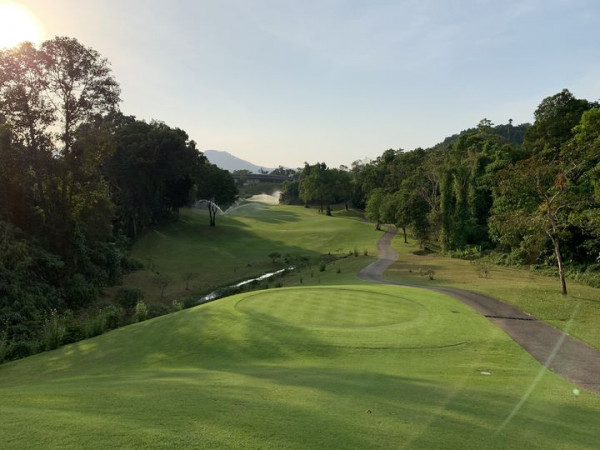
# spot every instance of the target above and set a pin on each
(17, 25)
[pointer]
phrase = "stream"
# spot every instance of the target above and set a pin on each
(223, 291)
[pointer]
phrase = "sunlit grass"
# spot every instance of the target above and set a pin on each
(536, 294)
(238, 247)
(324, 367)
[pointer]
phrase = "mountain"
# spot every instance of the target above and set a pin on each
(227, 161)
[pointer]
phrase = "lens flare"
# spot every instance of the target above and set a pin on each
(17, 25)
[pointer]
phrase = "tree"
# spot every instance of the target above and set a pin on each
(24, 102)
(547, 192)
(58, 87)
(282, 171)
(79, 84)
(216, 186)
(534, 197)
(317, 184)
(374, 203)
(153, 171)
(342, 185)
(555, 118)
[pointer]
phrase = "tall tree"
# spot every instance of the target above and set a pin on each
(542, 194)
(78, 83)
(217, 187)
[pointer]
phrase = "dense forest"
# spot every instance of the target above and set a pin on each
(79, 181)
(522, 195)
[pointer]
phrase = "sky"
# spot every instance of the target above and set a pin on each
(281, 82)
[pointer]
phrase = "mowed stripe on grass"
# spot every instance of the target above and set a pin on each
(376, 366)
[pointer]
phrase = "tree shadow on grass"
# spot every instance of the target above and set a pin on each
(216, 374)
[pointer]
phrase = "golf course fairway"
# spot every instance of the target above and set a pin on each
(357, 366)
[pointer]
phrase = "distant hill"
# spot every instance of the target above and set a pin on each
(227, 161)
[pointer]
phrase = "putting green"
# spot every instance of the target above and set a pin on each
(338, 308)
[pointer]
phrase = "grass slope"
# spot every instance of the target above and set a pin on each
(238, 247)
(536, 294)
(319, 367)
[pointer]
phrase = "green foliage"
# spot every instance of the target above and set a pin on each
(128, 297)
(482, 267)
(94, 324)
(54, 330)
(114, 316)
(3, 345)
(79, 292)
(374, 206)
(141, 311)
(290, 193)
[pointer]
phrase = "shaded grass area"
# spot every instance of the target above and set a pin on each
(322, 367)
(238, 247)
(533, 293)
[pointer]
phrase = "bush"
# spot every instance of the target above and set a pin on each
(94, 325)
(157, 309)
(322, 267)
(3, 346)
(130, 264)
(482, 268)
(177, 305)
(113, 317)
(79, 291)
(20, 349)
(53, 331)
(141, 311)
(129, 297)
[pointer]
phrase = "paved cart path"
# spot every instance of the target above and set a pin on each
(559, 352)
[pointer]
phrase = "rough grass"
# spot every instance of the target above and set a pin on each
(323, 367)
(238, 247)
(536, 294)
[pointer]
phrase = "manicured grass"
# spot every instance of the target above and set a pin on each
(321, 367)
(535, 294)
(238, 247)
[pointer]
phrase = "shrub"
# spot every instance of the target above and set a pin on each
(53, 331)
(482, 268)
(177, 305)
(3, 346)
(128, 297)
(113, 316)
(79, 291)
(157, 309)
(189, 302)
(19, 349)
(141, 311)
(322, 267)
(94, 324)
(130, 264)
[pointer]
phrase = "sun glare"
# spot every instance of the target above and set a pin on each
(17, 25)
